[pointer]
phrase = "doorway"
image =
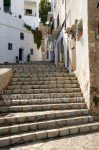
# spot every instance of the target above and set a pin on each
(73, 48)
(21, 54)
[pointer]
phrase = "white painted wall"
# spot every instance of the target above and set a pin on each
(59, 8)
(32, 21)
(82, 49)
(10, 28)
(18, 8)
(1, 5)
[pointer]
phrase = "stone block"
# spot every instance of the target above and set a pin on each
(64, 131)
(74, 130)
(41, 135)
(53, 133)
(84, 129)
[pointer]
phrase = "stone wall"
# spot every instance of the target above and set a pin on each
(5, 77)
(93, 26)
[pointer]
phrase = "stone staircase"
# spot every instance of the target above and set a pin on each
(42, 101)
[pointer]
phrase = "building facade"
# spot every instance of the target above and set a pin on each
(58, 36)
(27, 10)
(80, 44)
(16, 40)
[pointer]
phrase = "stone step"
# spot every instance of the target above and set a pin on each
(44, 107)
(25, 117)
(26, 90)
(42, 96)
(12, 87)
(51, 133)
(43, 82)
(44, 74)
(38, 70)
(56, 123)
(32, 74)
(30, 78)
(41, 101)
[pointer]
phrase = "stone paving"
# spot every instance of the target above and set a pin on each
(80, 142)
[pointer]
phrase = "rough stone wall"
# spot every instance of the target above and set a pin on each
(93, 27)
(5, 77)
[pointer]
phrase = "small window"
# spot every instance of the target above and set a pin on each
(22, 36)
(31, 51)
(9, 46)
(28, 12)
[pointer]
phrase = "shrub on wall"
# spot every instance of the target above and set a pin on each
(37, 34)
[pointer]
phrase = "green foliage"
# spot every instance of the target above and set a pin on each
(96, 101)
(45, 7)
(37, 34)
(27, 26)
(17, 59)
(28, 57)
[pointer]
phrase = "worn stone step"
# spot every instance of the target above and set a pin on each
(31, 74)
(42, 96)
(41, 70)
(26, 108)
(41, 101)
(51, 133)
(18, 118)
(30, 78)
(12, 87)
(44, 74)
(44, 82)
(56, 123)
(26, 90)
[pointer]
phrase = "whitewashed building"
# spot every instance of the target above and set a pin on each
(58, 36)
(15, 39)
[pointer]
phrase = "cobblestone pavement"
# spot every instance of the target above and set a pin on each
(80, 142)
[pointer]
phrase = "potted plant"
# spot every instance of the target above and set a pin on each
(28, 57)
(17, 59)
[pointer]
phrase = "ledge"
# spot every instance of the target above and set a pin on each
(5, 77)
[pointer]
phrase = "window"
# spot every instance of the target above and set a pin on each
(22, 36)
(28, 11)
(31, 51)
(9, 46)
(7, 6)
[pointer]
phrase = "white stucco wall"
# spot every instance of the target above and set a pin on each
(62, 35)
(1, 5)
(32, 21)
(17, 7)
(82, 49)
(10, 28)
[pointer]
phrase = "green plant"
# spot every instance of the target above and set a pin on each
(37, 35)
(45, 7)
(96, 101)
(17, 59)
(28, 57)
(27, 26)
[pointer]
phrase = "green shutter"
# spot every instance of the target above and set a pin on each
(7, 2)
